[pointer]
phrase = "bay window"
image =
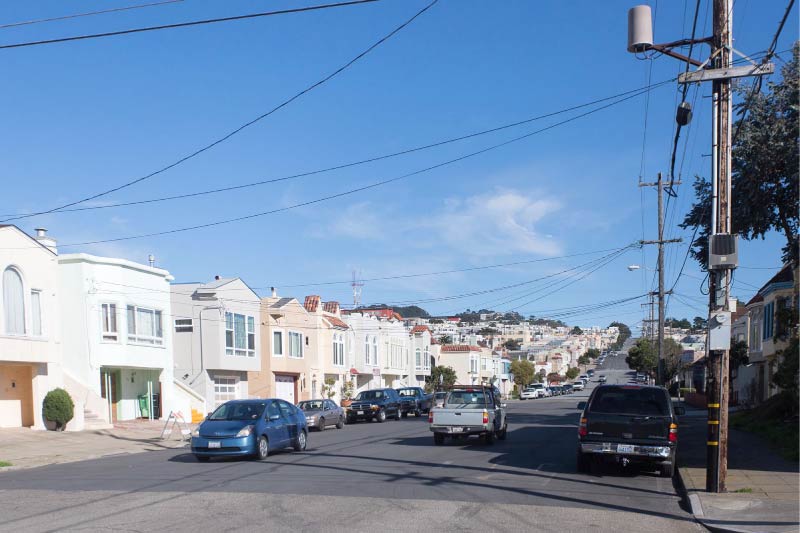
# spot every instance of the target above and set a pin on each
(295, 345)
(240, 335)
(144, 325)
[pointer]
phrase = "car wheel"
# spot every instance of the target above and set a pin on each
(202, 458)
(438, 439)
(398, 414)
(582, 461)
(321, 424)
(301, 442)
(350, 420)
(405, 415)
(263, 448)
(381, 416)
(340, 423)
(488, 438)
(668, 470)
(417, 413)
(503, 433)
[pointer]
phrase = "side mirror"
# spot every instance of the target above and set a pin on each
(680, 411)
(274, 418)
(209, 415)
(581, 405)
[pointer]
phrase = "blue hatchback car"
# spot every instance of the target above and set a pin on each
(250, 428)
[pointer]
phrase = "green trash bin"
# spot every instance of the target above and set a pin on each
(144, 408)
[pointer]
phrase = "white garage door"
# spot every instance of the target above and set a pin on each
(284, 388)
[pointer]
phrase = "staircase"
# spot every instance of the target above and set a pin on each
(92, 421)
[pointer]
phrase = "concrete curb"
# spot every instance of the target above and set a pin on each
(90, 457)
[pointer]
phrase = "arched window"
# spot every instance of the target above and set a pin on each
(13, 302)
(366, 350)
(418, 358)
(375, 350)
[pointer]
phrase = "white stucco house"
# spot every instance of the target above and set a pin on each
(117, 339)
(217, 338)
(30, 335)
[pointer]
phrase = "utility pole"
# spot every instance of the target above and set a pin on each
(723, 256)
(660, 185)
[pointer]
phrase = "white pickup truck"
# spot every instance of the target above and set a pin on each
(469, 410)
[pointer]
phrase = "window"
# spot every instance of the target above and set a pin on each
(144, 325)
(755, 331)
(240, 335)
(183, 325)
(277, 344)
(473, 364)
(426, 363)
(769, 315)
(367, 358)
(338, 349)
(374, 350)
(780, 325)
(36, 313)
(13, 302)
(295, 345)
(226, 388)
(109, 322)
(418, 359)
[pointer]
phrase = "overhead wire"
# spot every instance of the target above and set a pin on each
(87, 14)
(260, 117)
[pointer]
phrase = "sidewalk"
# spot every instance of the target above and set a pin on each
(767, 484)
(26, 448)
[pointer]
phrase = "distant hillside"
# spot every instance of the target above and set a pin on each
(410, 311)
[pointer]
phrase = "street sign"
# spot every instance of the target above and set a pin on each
(726, 73)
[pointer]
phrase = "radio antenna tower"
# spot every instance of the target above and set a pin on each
(356, 285)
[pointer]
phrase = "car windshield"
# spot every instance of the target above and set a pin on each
(239, 411)
(465, 398)
(370, 395)
(630, 401)
(407, 392)
(441, 394)
(312, 405)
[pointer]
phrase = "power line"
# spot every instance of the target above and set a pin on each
(358, 189)
(258, 118)
(352, 163)
(183, 24)
(90, 13)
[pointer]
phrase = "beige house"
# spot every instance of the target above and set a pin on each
(464, 359)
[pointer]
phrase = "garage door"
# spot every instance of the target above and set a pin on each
(284, 388)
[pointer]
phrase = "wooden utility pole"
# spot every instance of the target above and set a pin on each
(660, 185)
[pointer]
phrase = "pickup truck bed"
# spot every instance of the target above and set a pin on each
(469, 412)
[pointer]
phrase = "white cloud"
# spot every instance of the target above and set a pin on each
(358, 221)
(500, 222)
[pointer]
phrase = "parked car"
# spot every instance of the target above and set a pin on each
(557, 390)
(376, 404)
(414, 400)
(469, 410)
(438, 398)
(547, 392)
(250, 427)
(590, 373)
(567, 388)
(322, 413)
(577, 385)
(630, 424)
(583, 377)
(530, 393)
(602, 378)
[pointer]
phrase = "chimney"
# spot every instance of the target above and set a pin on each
(274, 292)
(332, 308)
(216, 278)
(45, 240)
(151, 260)
(312, 303)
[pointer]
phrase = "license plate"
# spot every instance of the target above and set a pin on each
(359, 412)
(456, 430)
(624, 448)
(213, 444)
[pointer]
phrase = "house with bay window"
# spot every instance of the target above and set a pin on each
(117, 339)
(217, 338)
(30, 335)
(420, 337)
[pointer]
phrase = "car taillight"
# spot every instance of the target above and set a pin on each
(673, 432)
(486, 417)
(582, 430)
(430, 416)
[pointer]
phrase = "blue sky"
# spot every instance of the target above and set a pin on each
(86, 116)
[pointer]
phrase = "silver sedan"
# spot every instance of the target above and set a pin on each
(322, 413)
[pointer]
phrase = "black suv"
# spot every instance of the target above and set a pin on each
(631, 424)
(376, 404)
(414, 400)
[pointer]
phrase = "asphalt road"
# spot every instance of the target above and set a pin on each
(364, 477)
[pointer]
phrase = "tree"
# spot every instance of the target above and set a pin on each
(678, 324)
(584, 360)
(738, 355)
(786, 373)
(58, 407)
(624, 334)
(328, 388)
(593, 353)
(673, 352)
(436, 321)
(764, 165)
(445, 339)
(523, 372)
(448, 378)
(642, 357)
(699, 323)
(573, 373)
(576, 331)
(511, 344)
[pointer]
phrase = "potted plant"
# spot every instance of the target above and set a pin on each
(58, 408)
(347, 393)
(327, 389)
